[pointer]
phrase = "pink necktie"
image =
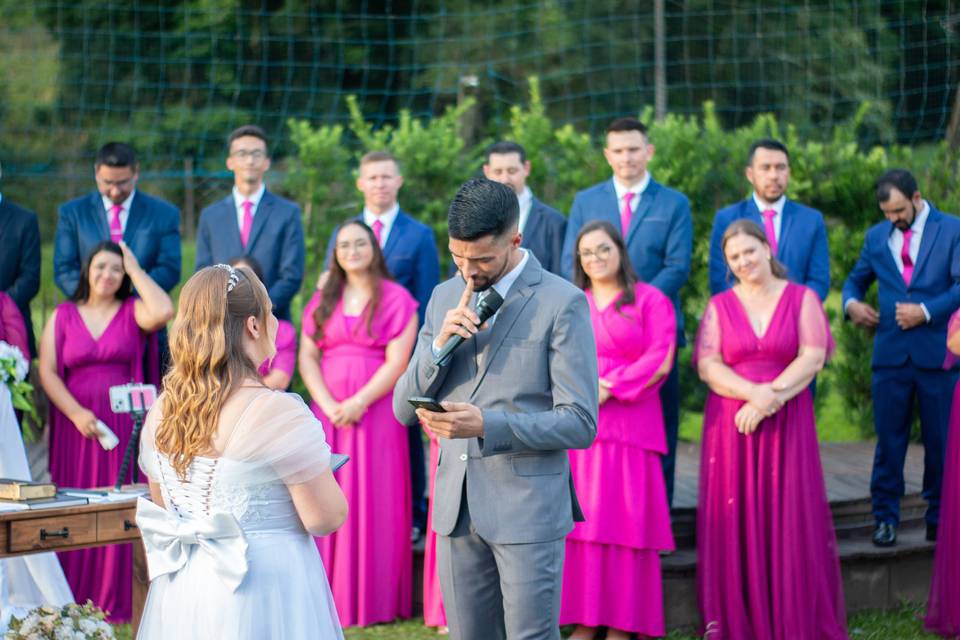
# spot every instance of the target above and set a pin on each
(627, 213)
(770, 230)
(905, 256)
(378, 231)
(116, 228)
(247, 222)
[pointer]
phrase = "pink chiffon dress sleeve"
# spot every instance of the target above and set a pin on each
(13, 331)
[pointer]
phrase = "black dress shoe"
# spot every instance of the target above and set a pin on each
(885, 535)
(931, 533)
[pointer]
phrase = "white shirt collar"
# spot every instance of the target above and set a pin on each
(776, 206)
(108, 203)
(526, 203)
(254, 198)
(503, 285)
(921, 220)
(386, 219)
(636, 189)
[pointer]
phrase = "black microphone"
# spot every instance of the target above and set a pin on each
(485, 310)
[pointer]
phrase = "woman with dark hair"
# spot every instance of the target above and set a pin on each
(612, 558)
(90, 343)
(767, 565)
(358, 332)
(277, 372)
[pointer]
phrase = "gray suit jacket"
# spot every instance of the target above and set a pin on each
(536, 382)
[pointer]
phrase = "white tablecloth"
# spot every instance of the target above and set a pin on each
(28, 581)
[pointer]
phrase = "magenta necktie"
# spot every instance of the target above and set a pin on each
(116, 228)
(627, 213)
(905, 256)
(770, 230)
(378, 231)
(247, 222)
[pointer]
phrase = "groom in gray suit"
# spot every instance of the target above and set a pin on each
(517, 394)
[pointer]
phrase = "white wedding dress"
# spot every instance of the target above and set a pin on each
(228, 556)
(25, 581)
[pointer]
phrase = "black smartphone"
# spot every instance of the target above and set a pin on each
(430, 404)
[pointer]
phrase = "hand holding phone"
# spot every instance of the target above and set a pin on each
(430, 404)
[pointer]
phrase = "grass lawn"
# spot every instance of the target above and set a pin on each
(904, 623)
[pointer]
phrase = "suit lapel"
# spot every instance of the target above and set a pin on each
(888, 260)
(532, 229)
(259, 220)
(395, 232)
(135, 218)
(786, 226)
(610, 208)
(930, 231)
(646, 202)
(99, 215)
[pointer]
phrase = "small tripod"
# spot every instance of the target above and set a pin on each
(137, 413)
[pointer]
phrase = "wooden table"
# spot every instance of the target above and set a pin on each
(78, 527)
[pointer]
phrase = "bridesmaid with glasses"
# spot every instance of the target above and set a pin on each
(612, 573)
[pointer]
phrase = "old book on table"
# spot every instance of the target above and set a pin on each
(22, 490)
(56, 502)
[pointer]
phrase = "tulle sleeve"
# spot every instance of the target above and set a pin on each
(813, 325)
(277, 437)
(308, 326)
(708, 335)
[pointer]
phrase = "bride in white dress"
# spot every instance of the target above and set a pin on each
(240, 480)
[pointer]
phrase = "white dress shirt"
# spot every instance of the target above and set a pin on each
(777, 207)
(895, 244)
(526, 203)
(125, 209)
(386, 219)
(254, 198)
(637, 191)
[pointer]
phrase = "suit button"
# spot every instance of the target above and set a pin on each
(463, 457)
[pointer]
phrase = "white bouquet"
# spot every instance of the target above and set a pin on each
(70, 622)
(13, 373)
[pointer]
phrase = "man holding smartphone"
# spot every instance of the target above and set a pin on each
(517, 393)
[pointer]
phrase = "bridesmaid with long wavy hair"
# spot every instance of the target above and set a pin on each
(943, 606)
(90, 343)
(767, 564)
(358, 333)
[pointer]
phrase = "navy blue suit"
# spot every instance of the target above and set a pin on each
(411, 255)
(20, 259)
(660, 243)
(276, 242)
(543, 234)
(908, 365)
(152, 233)
(413, 261)
(802, 246)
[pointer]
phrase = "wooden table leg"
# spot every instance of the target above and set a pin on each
(141, 583)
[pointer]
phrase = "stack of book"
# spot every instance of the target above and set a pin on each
(16, 495)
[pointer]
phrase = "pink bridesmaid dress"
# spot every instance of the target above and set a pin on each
(13, 331)
(611, 572)
(767, 565)
(433, 612)
(369, 560)
(286, 358)
(89, 366)
(943, 606)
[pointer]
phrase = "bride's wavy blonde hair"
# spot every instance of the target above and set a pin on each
(206, 346)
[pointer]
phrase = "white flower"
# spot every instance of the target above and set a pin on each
(21, 366)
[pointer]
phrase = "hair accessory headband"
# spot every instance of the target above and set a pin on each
(234, 276)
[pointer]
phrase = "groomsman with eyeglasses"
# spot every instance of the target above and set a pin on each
(254, 221)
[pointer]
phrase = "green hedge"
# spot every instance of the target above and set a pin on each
(694, 154)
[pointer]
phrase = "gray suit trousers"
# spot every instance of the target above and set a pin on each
(499, 591)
